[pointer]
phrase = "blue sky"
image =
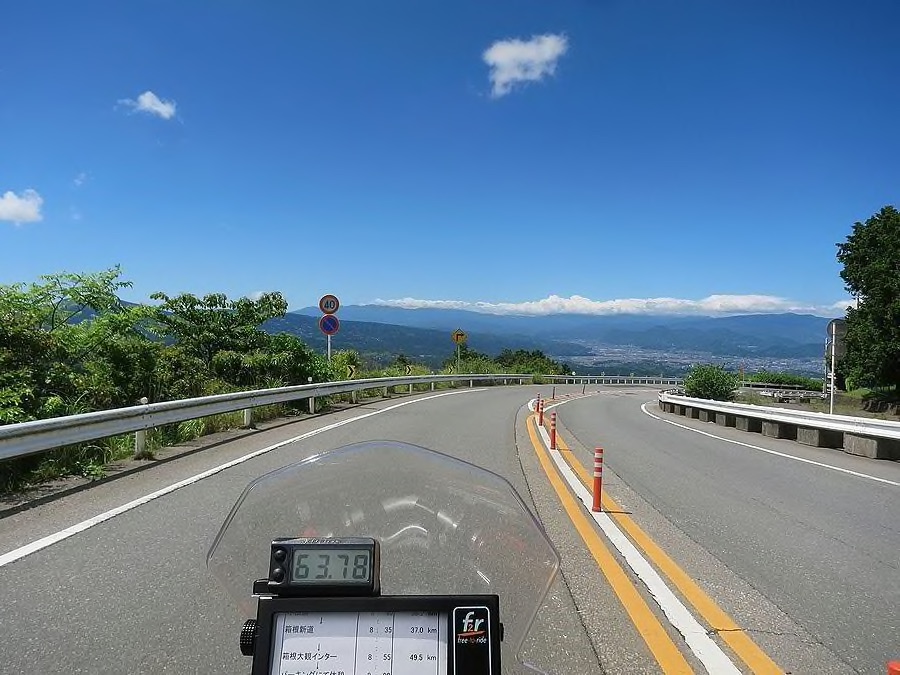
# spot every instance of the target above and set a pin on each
(564, 154)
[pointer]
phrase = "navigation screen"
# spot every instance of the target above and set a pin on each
(360, 643)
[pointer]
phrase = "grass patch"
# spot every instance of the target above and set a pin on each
(88, 460)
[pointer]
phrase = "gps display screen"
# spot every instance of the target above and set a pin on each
(360, 643)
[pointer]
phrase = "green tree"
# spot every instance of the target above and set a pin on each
(59, 339)
(871, 260)
(205, 326)
(535, 361)
(343, 358)
(402, 361)
(710, 382)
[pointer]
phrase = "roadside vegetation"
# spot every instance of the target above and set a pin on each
(69, 345)
(785, 379)
(871, 366)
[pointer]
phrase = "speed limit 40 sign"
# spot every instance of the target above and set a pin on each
(329, 304)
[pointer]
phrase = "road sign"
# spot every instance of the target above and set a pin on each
(840, 349)
(459, 336)
(409, 370)
(837, 328)
(351, 371)
(329, 324)
(329, 304)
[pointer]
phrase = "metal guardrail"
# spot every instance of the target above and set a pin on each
(870, 427)
(781, 395)
(614, 379)
(27, 438)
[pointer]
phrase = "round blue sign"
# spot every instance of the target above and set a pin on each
(329, 324)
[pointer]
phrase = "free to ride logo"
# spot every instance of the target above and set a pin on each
(472, 626)
(472, 641)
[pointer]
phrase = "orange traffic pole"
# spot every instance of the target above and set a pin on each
(541, 412)
(553, 430)
(893, 668)
(598, 478)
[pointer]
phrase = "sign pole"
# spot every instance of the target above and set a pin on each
(833, 354)
(457, 358)
(329, 349)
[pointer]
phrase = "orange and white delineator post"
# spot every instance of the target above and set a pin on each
(598, 478)
(893, 668)
(553, 430)
(541, 412)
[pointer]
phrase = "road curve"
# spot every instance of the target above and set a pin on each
(802, 558)
(823, 546)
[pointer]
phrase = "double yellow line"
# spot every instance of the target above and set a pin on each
(661, 645)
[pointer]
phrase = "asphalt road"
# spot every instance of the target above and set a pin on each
(804, 558)
(132, 595)
(822, 546)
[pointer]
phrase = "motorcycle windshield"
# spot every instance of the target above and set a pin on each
(446, 527)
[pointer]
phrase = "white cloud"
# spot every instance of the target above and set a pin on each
(150, 103)
(515, 61)
(24, 208)
(75, 213)
(576, 304)
(842, 305)
(80, 179)
(256, 295)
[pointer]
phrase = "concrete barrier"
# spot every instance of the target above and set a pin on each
(820, 438)
(724, 419)
(779, 430)
(707, 416)
(876, 439)
(743, 423)
(875, 448)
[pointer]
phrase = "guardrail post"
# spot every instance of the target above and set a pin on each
(410, 388)
(140, 444)
(471, 384)
(384, 393)
(248, 418)
(354, 398)
(312, 405)
(432, 386)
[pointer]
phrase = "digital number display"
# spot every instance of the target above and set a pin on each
(331, 566)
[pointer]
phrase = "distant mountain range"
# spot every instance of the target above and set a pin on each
(757, 335)
(383, 342)
(634, 342)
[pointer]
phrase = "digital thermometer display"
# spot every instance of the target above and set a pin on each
(331, 566)
(319, 566)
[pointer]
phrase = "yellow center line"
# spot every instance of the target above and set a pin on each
(733, 635)
(667, 655)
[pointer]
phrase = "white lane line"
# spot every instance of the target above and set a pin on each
(695, 635)
(51, 539)
(772, 452)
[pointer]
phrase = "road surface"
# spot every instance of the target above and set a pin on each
(803, 559)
